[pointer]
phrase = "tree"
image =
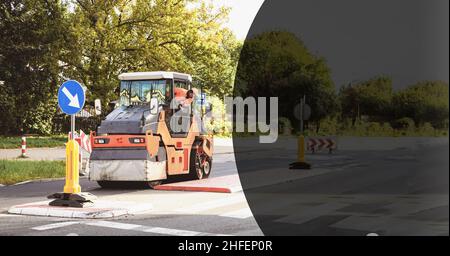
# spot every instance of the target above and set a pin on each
(32, 35)
(277, 63)
(111, 37)
(372, 97)
(46, 42)
(424, 102)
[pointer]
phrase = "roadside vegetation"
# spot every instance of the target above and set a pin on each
(45, 42)
(403, 127)
(376, 129)
(278, 64)
(15, 171)
(33, 142)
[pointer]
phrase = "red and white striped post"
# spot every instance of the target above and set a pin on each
(80, 160)
(80, 152)
(24, 147)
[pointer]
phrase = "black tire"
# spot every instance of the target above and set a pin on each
(195, 170)
(199, 161)
(108, 184)
(152, 184)
(207, 166)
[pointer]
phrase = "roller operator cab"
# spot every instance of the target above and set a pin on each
(155, 132)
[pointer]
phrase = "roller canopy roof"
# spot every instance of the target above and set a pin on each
(154, 75)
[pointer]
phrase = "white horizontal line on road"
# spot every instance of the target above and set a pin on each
(55, 225)
(148, 229)
(172, 232)
(10, 215)
(239, 214)
(23, 182)
(110, 224)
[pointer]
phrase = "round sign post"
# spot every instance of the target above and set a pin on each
(71, 98)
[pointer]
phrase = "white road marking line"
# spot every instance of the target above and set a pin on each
(212, 204)
(172, 232)
(10, 215)
(239, 214)
(110, 224)
(55, 225)
(72, 234)
(22, 183)
(148, 229)
(178, 232)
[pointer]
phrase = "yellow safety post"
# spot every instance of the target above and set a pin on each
(72, 195)
(72, 185)
(301, 148)
(301, 163)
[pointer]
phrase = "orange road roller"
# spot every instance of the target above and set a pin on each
(155, 132)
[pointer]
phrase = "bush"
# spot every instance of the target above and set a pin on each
(426, 129)
(328, 126)
(285, 126)
(404, 123)
(40, 119)
(373, 127)
(387, 129)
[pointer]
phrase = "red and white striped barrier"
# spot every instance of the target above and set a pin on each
(24, 147)
(317, 144)
(83, 140)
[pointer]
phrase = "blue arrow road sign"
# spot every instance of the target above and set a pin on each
(71, 97)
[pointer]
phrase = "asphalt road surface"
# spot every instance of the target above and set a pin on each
(398, 189)
(173, 213)
(351, 192)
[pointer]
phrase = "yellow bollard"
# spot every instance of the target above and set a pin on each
(300, 164)
(72, 185)
(72, 196)
(301, 148)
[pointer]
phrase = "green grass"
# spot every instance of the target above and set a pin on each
(33, 142)
(14, 171)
